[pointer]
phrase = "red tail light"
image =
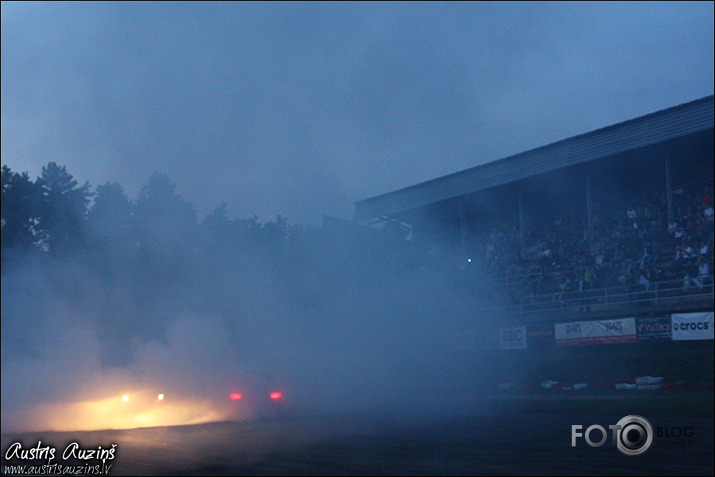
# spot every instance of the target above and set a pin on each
(276, 395)
(235, 396)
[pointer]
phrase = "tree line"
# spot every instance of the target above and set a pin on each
(55, 216)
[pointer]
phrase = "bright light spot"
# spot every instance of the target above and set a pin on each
(469, 260)
(276, 395)
(235, 396)
(160, 397)
(142, 410)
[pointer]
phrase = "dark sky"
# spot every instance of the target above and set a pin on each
(302, 109)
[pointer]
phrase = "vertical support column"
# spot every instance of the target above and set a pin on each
(462, 229)
(522, 224)
(589, 212)
(668, 187)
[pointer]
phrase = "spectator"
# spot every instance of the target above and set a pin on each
(672, 226)
(648, 259)
(584, 285)
(708, 213)
(703, 273)
(563, 287)
(705, 249)
(587, 279)
(692, 275)
(625, 274)
(655, 275)
(642, 282)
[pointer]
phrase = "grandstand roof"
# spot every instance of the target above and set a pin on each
(675, 122)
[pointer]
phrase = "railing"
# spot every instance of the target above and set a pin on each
(607, 300)
(505, 279)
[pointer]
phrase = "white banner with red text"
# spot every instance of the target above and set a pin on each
(578, 333)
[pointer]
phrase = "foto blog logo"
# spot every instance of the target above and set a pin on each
(632, 435)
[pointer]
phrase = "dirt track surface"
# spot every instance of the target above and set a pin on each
(495, 444)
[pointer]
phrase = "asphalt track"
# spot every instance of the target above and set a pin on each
(503, 443)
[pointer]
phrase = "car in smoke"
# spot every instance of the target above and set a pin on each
(248, 396)
(256, 395)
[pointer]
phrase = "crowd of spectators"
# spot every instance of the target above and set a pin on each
(634, 246)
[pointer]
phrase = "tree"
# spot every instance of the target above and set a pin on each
(109, 221)
(20, 210)
(217, 233)
(217, 222)
(163, 218)
(275, 234)
(63, 209)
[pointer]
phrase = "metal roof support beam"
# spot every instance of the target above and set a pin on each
(668, 187)
(521, 224)
(462, 228)
(589, 212)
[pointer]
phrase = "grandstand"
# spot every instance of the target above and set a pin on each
(614, 222)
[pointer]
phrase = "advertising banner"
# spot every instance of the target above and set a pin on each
(512, 338)
(657, 328)
(540, 335)
(692, 326)
(577, 333)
